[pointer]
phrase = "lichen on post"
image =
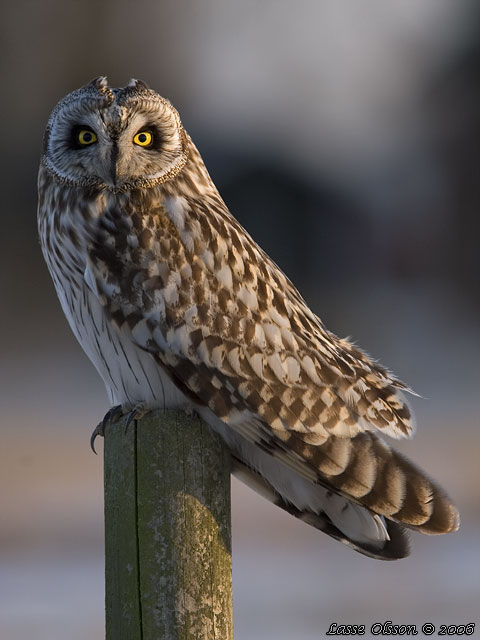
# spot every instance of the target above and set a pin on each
(167, 530)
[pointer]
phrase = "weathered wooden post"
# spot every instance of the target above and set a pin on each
(167, 530)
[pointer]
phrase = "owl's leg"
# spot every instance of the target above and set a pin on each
(120, 410)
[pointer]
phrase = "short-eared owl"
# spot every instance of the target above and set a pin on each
(177, 306)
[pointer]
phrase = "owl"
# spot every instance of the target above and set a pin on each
(178, 307)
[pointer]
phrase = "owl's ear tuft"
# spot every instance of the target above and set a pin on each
(100, 83)
(137, 84)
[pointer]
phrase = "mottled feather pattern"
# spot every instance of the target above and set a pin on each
(176, 304)
(158, 273)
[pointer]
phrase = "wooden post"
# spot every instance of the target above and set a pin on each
(167, 530)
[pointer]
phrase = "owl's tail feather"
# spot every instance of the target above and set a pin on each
(386, 482)
(396, 545)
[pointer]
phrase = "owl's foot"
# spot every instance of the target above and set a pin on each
(118, 411)
(99, 430)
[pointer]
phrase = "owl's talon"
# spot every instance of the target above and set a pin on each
(112, 413)
(99, 430)
(136, 413)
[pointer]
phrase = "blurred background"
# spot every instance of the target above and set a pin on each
(344, 135)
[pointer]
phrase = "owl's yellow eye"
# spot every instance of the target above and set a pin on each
(143, 138)
(86, 136)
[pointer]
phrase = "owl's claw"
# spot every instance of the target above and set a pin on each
(136, 413)
(112, 414)
(99, 430)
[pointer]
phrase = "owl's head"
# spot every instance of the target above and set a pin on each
(116, 139)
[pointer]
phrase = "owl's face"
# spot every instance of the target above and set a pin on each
(116, 139)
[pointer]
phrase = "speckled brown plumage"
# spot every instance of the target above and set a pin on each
(176, 305)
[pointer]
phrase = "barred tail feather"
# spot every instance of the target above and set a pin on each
(386, 482)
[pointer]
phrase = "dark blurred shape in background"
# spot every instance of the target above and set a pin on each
(345, 138)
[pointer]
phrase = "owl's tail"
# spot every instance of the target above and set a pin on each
(366, 494)
(386, 482)
(396, 543)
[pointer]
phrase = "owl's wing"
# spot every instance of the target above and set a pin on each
(230, 329)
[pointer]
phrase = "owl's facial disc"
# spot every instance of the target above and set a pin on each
(115, 139)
